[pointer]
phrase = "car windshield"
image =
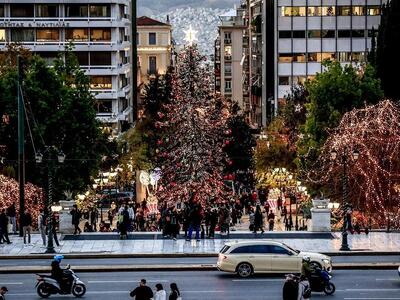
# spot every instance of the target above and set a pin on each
(290, 248)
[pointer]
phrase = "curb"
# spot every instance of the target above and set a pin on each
(177, 255)
(179, 268)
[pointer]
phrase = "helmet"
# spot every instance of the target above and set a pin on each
(306, 258)
(58, 258)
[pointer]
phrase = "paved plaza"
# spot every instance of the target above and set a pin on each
(375, 241)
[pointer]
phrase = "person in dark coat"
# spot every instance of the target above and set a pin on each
(4, 227)
(258, 220)
(195, 218)
(175, 293)
(26, 223)
(76, 218)
(142, 292)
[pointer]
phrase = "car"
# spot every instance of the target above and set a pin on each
(118, 198)
(246, 258)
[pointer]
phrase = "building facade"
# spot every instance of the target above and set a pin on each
(100, 33)
(301, 34)
(230, 57)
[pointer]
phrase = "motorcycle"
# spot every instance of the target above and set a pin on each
(320, 282)
(47, 286)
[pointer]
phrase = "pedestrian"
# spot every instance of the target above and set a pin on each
(142, 292)
(175, 294)
(93, 218)
(26, 223)
(195, 218)
(76, 219)
(213, 219)
(54, 226)
(258, 220)
(12, 216)
(160, 293)
(42, 225)
(304, 292)
(3, 292)
(271, 220)
(123, 223)
(4, 227)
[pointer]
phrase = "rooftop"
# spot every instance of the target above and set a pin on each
(146, 21)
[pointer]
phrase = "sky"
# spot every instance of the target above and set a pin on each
(152, 7)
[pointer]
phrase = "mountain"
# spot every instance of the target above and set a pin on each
(204, 20)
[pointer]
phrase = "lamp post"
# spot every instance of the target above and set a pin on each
(344, 161)
(51, 152)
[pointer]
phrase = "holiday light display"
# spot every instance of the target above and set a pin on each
(375, 177)
(191, 152)
(9, 194)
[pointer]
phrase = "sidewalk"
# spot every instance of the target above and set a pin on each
(375, 241)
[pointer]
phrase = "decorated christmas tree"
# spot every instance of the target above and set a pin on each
(195, 128)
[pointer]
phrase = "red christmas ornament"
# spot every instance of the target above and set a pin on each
(227, 143)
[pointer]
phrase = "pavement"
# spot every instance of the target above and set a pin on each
(212, 285)
(376, 242)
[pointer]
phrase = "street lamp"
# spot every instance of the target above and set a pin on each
(355, 154)
(51, 153)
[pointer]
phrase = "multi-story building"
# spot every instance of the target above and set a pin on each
(230, 57)
(301, 34)
(100, 33)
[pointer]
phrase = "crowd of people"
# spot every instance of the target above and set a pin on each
(144, 292)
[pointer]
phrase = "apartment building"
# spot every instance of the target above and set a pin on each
(100, 33)
(301, 34)
(230, 57)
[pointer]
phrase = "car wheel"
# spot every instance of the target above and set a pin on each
(244, 270)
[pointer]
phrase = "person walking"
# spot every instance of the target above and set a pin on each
(142, 292)
(195, 221)
(271, 220)
(175, 294)
(12, 216)
(3, 292)
(26, 223)
(258, 220)
(76, 218)
(123, 223)
(42, 225)
(94, 213)
(4, 227)
(213, 219)
(54, 226)
(160, 293)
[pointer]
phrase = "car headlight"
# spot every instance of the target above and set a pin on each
(326, 261)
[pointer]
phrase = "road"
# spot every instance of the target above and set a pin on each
(351, 285)
(182, 260)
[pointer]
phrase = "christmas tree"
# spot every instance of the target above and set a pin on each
(195, 130)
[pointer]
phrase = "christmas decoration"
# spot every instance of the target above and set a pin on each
(9, 194)
(195, 122)
(374, 132)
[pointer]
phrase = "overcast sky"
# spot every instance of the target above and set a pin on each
(148, 7)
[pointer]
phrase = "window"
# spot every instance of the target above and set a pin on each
(299, 34)
(152, 64)
(49, 57)
(314, 34)
(285, 57)
(47, 10)
(100, 10)
(321, 34)
(228, 86)
(137, 36)
(22, 35)
(299, 57)
(344, 33)
(122, 14)
(1, 10)
(373, 10)
(2, 35)
(284, 80)
(43, 35)
(22, 10)
(228, 52)
(224, 249)
(299, 80)
(312, 57)
(328, 34)
(314, 11)
(328, 10)
(358, 56)
(228, 69)
(100, 34)
(299, 11)
(101, 58)
(328, 56)
(123, 81)
(358, 33)
(227, 38)
(285, 34)
(103, 106)
(76, 10)
(83, 57)
(358, 10)
(77, 34)
(152, 38)
(278, 250)
(372, 33)
(344, 56)
(344, 10)
(101, 82)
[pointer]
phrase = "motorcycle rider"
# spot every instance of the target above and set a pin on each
(3, 292)
(57, 272)
(306, 269)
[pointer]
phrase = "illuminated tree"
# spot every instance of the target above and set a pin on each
(374, 179)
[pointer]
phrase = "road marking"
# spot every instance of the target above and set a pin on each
(386, 279)
(124, 281)
(371, 298)
(257, 280)
(117, 292)
(12, 283)
(372, 290)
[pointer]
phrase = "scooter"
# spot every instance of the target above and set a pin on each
(320, 282)
(47, 286)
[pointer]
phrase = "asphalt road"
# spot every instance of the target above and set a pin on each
(351, 285)
(183, 260)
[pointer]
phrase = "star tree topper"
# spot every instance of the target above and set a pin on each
(190, 35)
